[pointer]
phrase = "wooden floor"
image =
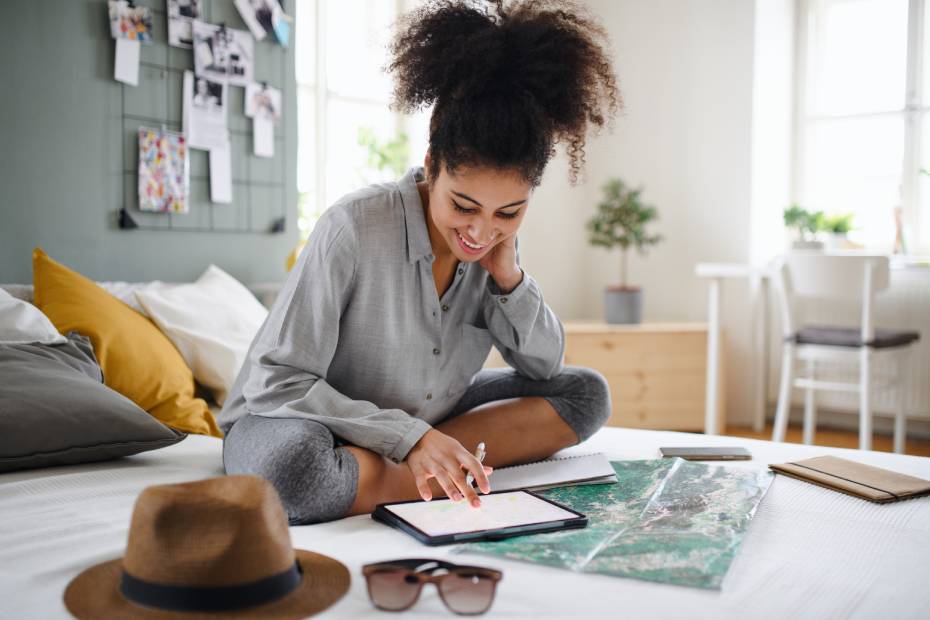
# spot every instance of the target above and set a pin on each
(835, 438)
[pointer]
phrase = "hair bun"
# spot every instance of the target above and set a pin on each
(542, 61)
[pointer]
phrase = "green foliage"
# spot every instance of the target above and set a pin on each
(621, 221)
(393, 154)
(802, 220)
(808, 223)
(837, 224)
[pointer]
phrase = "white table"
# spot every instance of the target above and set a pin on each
(808, 552)
(716, 273)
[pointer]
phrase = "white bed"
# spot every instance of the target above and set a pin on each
(808, 553)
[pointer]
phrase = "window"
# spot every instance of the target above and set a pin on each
(862, 132)
(343, 98)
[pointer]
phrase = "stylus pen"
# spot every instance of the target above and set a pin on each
(479, 454)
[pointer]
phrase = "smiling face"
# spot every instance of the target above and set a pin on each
(472, 210)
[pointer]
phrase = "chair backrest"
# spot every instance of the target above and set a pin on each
(821, 275)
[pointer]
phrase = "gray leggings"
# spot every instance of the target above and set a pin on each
(316, 478)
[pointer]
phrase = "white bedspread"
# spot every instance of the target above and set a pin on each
(808, 553)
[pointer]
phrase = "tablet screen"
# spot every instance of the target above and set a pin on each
(498, 510)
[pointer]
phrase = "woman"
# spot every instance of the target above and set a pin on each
(365, 383)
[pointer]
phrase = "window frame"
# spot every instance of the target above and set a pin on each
(322, 97)
(911, 115)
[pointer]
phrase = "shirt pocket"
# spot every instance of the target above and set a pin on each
(469, 357)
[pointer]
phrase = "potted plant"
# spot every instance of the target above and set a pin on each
(806, 225)
(837, 228)
(621, 221)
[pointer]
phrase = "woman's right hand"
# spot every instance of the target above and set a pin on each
(442, 457)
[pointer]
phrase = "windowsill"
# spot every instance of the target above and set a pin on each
(916, 263)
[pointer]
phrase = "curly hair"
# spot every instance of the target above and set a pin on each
(508, 83)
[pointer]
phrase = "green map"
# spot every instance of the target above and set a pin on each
(666, 520)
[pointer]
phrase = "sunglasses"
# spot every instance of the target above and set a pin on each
(396, 585)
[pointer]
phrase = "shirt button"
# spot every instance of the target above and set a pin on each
(435, 351)
(461, 271)
(429, 396)
(503, 300)
(445, 308)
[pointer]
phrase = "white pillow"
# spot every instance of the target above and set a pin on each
(212, 323)
(126, 292)
(23, 323)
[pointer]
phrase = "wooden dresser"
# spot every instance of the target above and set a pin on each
(656, 371)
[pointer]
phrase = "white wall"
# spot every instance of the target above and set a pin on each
(686, 74)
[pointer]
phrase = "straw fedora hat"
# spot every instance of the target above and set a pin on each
(216, 548)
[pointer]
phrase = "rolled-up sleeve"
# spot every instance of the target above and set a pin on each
(293, 351)
(524, 329)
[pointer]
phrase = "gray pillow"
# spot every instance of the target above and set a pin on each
(55, 409)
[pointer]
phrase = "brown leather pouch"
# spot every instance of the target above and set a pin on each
(871, 483)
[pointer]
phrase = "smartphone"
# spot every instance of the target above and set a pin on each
(707, 454)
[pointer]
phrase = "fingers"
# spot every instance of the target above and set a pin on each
(477, 470)
(461, 480)
(443, 458)
(421, 479)
(447, 483)
(451, 478)
(469, 493)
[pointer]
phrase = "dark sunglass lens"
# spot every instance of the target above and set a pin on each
(467, 593)
(393, 590)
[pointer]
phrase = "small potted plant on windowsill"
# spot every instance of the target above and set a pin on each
(621, 221)
(837, 228)
(806, 225)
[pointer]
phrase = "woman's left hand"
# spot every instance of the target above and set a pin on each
(501, 264)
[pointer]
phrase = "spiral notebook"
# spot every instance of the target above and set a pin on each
(555, 472)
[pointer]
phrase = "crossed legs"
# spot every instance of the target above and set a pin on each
(518, 419)
(519, 430)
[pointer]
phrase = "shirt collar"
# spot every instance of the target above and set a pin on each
(418, 244)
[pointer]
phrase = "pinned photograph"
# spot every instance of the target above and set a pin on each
(223, 54)
(208, 96)
(263, 101)
(181, 14)
(205, 103)
(130, 22)
(163, 171)
(265, 17)
(263, 105)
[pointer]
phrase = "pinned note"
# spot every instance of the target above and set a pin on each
(221, 174)
(126, 67)
(263, 136)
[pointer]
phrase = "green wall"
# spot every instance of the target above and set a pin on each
(61, 161)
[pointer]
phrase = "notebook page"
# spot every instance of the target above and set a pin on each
(553, 472)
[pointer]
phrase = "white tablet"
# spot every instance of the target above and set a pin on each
(501, 515)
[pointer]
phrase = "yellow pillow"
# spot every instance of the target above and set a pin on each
(138, 361)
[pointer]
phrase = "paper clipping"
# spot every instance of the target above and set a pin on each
(130, 26)
(126, 67)
(223, 54)
(130, 22)
(263, 104)
(164, 171)
(205, 104)
(181, 14)
(221, 175)
(265, 17)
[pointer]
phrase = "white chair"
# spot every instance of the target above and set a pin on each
(848, 277)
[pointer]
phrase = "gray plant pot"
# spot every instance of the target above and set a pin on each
(623, 305)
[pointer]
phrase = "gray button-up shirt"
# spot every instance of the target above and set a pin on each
(359, 340)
